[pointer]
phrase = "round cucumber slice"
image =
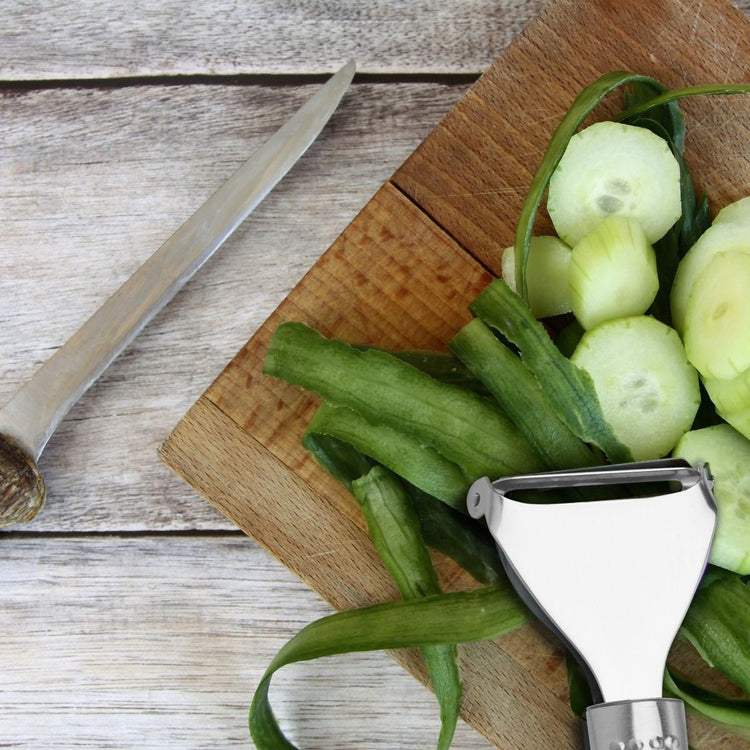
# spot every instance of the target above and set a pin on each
(546, 275)
(729, 394)
(725, 236)
(612, 272)
(717, 317)
(727, 454)
(613, 168)
(648, 391)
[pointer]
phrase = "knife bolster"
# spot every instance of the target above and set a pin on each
(650, 724)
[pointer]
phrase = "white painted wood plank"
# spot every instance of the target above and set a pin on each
(159, 642)
(91, 182)
(52, 39)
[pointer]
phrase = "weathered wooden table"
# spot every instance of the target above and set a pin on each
(133, 614)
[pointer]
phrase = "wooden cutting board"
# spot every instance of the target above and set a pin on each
(401, 276)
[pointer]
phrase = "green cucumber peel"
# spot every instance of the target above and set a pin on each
(449, 531)
(463, 617)
(463, 426)
(665, 119)
(442, 366)
(569, 389)
(339, 458)
(668, 96)
(734, 713)
(419, 464)
(395, 530)
(518, 392)
(463, 539)
(717, 625)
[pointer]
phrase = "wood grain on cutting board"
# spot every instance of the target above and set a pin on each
(401, 276)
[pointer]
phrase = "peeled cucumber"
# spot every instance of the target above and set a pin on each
(735, 213)
(717, 317)
(727, 454)
(721, 236)
(546, 275)
(729, 394)
(648, 391)
(612, 168)
(612, 272)
(740, 420)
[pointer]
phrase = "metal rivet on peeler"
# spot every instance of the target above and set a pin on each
(657, 743)
(672, 743)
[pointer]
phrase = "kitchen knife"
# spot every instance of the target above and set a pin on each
(33, 413)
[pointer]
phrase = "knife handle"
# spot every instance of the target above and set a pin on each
(649, 724)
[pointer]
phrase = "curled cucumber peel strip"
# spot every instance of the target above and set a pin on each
(463, 617)
(395, 529)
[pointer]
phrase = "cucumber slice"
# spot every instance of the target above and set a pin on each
(725, 236)
(612, 272)
(613, 168)
(729, 394)
(546, 275)
(727, 454)
(648, 391)
(735, 213)
(740, 420)
(717, 317)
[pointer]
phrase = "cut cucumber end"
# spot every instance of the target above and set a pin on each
(612, 272)
(717, 317)
(613, 168)
(726, 236)
(727, 454)
(648, 391)
(546, 275)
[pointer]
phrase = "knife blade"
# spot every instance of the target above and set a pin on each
(36, 409)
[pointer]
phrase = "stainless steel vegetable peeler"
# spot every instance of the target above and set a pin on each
(613, 580)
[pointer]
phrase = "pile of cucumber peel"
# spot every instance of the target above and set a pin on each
(654, 360)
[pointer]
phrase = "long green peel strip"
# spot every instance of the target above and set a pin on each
(465, 427)
(449, 531)
(463, 617)
(415, 462)
(673, 95)
(568, 388)
(395, 530)
(718, 625)
(521, 397)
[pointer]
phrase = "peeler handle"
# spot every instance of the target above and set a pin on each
(648, 724)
